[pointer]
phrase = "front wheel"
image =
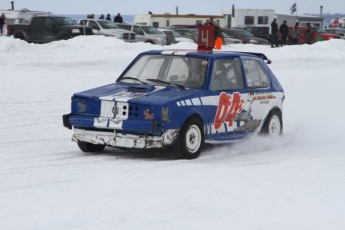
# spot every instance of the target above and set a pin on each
(190, 140)
(89, 147)
(273, 125)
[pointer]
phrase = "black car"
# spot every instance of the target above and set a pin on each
(245, 36)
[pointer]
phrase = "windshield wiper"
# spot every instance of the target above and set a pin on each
(165, 82)
(133, 78)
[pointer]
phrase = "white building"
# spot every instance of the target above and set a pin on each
(248, 17)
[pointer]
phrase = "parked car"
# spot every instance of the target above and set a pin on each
(183, 26)
(259, 31)
(180, 99)
(189, 33)
(193, 34)
(44, 29)
(245, 36)
(338, 31)
(174, 36)
(108, 28)
(229, 40)
(325, 35)
(144, 33)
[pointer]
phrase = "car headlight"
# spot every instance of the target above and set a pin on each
(75, 31)
(117, 35)
(253, 41)
(165, 114)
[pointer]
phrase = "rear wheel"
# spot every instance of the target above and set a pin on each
(274, 124)
(89, 147)
(190, 140)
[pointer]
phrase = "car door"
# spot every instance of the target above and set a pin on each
(258, 83)
(36, 29)
(231, 114)
(49, 30)
(139, 34)
(95, 27)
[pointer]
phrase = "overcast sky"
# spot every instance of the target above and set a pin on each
(133, 7)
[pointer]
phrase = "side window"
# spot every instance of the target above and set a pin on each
(255, 75)
(49, 22)
(226, 75)
(93, 25)
(138, 30)
(83, 22)
(38, 21)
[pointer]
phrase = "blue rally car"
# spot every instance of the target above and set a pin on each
(182, 99)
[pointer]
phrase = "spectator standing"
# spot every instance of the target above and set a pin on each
(2, 22)
(118, 18)
(308, 35)
(102, 16)
(284, 31)
(295, 36)
(274, 33)
(108, 17)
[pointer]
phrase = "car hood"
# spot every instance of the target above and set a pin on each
(136, 93)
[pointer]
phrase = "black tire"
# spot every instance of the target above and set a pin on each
(89, 147)
(190, 141)
(273, 125)
(19, 36)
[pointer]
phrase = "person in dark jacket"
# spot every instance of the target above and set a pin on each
(274, 33)
(118, 18)
(102, 16)
(2, 22)
(284, 31)
(108, 17)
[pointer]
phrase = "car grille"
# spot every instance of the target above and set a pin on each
(129, 36)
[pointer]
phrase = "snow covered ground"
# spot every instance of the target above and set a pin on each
(295, 182)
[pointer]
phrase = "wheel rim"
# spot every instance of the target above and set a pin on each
(274, 127)
(193, 138)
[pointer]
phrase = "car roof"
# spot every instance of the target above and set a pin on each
(206, 54)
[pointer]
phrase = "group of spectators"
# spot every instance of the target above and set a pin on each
(117, 19)
(295, 35)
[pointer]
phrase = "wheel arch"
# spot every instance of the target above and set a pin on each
(274, 109)
(20, 34)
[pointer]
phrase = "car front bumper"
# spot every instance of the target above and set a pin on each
(116, 139)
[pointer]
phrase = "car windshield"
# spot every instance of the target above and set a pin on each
(244, 33)
(108, 25)
(195, 31)
(165, 70)
(151, 30)
(321, 31)
(63, 21)
(225, 35)
(176, 35)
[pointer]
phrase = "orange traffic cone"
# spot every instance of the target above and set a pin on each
(218, 43)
